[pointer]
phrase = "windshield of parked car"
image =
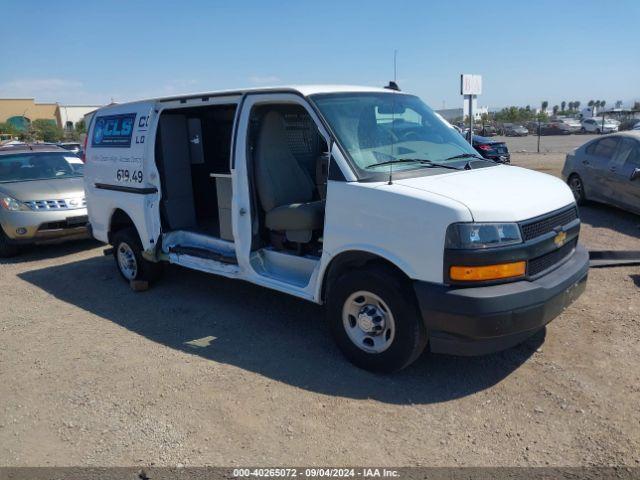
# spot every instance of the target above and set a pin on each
(22, 167)
(380, 128)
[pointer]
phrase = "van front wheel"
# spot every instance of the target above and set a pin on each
(375, 320)
(127, 253)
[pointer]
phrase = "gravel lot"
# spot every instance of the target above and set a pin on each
(202, 370)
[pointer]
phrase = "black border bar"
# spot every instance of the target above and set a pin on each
(119, 188)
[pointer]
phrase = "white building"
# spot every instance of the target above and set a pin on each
(72, 114)
(450, 114)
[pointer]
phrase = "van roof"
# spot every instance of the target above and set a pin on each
(304, 90)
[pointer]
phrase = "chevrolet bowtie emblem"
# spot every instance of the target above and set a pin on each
(560, 238)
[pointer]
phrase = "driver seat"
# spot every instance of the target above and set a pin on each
(285, 190)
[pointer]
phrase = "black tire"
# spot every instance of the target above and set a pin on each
(410, 337)
(577, 187)
(7, 249)
(128, 239)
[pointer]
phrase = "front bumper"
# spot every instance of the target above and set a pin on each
(44, 226)
(480, 320)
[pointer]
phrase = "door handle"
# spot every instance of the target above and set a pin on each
(243, 211)
(612, 169)
(585, 162)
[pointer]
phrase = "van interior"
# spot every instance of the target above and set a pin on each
(287, 161)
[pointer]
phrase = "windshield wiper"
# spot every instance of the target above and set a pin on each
(422, 161)
(467, 155)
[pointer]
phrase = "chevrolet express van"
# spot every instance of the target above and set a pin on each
(358, 198)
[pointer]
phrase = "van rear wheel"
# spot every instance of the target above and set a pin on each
(127, 253)
(374, 319)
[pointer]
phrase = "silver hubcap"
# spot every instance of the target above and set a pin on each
(368, 322)
(127, 261)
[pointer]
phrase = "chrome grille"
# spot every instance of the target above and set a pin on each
(535, 228)
(60, 204)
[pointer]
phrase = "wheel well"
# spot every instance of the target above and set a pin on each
(356, 259)
(119, 221)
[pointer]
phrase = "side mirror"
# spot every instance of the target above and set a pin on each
(635, 174)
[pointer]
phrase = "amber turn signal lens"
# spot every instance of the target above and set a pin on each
(487, 272)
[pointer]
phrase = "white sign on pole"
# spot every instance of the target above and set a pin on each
(470, 84)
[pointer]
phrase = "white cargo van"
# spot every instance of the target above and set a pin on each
(359, 198)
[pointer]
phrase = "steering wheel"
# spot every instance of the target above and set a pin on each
(410, 135)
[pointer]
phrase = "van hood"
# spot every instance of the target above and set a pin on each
(498, 194)
(51, 189)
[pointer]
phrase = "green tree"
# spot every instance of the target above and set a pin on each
(591, 103)
(46, 130)
(514, 115)
(602, 103)
(563, 105)
(555, 109)
(80, 127)
(576, 105)
(7, 128)
(545, 104)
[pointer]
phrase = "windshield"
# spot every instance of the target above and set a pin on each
(378, 128)
(22, 167)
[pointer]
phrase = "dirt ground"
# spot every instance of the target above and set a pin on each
(202, 370)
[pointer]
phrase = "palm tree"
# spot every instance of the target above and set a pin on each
(545, 104)
(576, 105)
(591, 103)
(555, 109)
(570, 106)
(602, 103)
(563, 105)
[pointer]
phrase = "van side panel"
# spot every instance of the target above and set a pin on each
(120, 172)
(407, 230)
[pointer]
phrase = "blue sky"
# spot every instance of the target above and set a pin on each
(527, 51)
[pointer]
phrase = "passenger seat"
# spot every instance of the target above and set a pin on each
(285, 190)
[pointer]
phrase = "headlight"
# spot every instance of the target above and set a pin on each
(13, 205)
(482, 235)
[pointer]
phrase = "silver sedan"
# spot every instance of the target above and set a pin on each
(41, 197)
(606, 170)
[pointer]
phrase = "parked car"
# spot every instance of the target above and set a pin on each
(593, 125)
(487, 131)
(571, 125)
(71, 146)
(495, 150)
(532, 127)
(513, 130)
(553, 128)
(607, 170)
(629, 124)
(41, 197)
(354, 197)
